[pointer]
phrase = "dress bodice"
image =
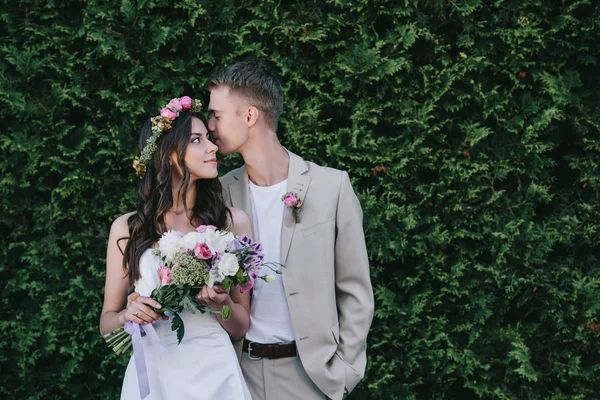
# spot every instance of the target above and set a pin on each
(149, 265)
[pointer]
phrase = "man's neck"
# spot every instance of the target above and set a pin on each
(266, 162)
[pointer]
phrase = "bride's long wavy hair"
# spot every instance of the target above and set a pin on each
(155, 194)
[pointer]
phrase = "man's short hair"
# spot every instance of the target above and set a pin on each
(257, 83)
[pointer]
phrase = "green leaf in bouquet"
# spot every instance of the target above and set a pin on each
(188, 303)
(177, 325)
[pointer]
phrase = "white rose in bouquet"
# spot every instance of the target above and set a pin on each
(190, 239)
(215, 242)
(228, 238)
(228, 265)
(170, 243)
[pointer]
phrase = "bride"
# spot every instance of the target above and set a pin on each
(179, 191)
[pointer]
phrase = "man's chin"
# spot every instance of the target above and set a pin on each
(224, 152)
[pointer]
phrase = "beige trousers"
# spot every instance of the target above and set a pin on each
(279, 379)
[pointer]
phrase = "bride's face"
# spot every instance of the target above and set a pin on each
(200, 155)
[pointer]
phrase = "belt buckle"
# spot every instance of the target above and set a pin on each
(250, 356)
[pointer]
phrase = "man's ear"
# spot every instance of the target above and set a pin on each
(252, 115)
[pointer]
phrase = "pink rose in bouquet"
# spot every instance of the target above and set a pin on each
(164, 275)
(202, 251)
(204, 228)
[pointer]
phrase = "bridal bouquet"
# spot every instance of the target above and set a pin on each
(189, 261)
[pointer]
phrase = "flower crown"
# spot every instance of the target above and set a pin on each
(160, 124)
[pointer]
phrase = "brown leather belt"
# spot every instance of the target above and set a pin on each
(256, 351)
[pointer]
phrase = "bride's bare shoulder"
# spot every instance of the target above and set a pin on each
(240, 222)
(120, 227)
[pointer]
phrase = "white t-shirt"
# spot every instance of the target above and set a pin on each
(270, 320)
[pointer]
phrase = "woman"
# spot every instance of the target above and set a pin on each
(179, 191)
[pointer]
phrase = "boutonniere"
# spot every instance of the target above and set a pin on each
(293, 202)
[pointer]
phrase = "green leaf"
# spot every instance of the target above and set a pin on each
(177, 325)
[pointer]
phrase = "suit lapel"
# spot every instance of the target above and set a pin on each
(298, 184)
(238, 192)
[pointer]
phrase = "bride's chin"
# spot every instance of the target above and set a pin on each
(207, 176)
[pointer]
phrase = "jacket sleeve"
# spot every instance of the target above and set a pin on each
(354, 294)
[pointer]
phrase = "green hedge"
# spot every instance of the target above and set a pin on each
(470, 129)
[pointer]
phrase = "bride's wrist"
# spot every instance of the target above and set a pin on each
(121, 318)
(229, 302)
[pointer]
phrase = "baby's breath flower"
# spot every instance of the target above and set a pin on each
(188, 270)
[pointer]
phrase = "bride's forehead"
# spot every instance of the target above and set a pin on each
(198, 126)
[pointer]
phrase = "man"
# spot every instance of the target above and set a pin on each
(308, 329)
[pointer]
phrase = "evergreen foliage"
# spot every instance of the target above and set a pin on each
(470, 129)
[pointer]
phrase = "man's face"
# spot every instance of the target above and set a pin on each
(227, 121)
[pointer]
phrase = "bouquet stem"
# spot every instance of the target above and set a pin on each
(118, 340)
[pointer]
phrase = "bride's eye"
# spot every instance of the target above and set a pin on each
(196, 140)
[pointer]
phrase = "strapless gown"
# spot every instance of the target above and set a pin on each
(202, 366)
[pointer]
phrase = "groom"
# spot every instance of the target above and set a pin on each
(308, 329)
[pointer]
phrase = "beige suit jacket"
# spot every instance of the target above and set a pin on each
(326, 272)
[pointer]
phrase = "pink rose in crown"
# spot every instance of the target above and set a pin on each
(202, 251)
(186, 102)
(164, 275)
(176, 104)
(165, 112)
(290, 200)
(204, 228)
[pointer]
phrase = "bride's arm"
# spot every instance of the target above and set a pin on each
(117, 307)
(116, 284)
(215, 298)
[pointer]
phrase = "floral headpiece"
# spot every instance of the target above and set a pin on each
(160, 124)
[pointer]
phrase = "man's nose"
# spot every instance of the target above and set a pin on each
(211, 124)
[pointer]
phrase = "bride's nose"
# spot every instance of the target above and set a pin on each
(212, 148)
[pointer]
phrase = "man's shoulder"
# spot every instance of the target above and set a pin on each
(329, 174)
(232, 175)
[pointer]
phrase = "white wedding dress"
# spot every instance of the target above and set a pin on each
(202, 366)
